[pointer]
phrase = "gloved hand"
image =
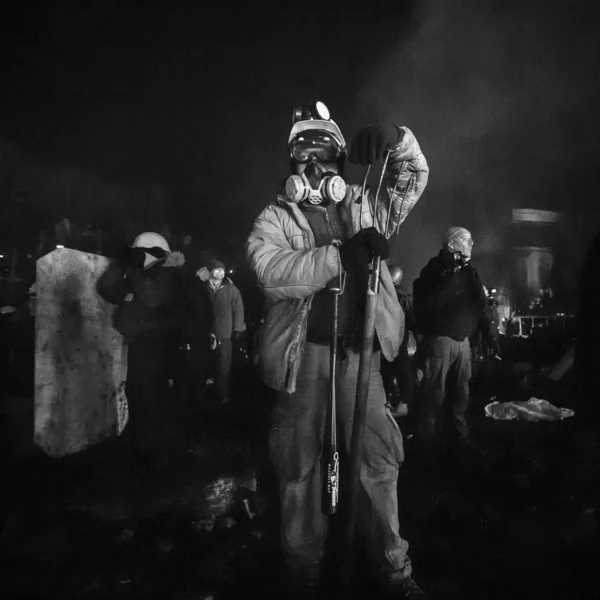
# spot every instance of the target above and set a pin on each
(360, 249)
(493, 347)
(138, 256)
(130, 257)
(123, 256)
(371, 142)
(236, 336)
(156, 252)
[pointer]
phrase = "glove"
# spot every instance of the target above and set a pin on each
(494, 347)
(130, 257)
(156, 252)
(138, 256)
(123, 256)
(360, 249)
(372, 141)
(236, 336)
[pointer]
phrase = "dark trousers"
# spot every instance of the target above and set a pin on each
(147, 391)
(150, 431)
(223, 356)
(446, 376)
(402, 371)
(191, 373)
(295, 443)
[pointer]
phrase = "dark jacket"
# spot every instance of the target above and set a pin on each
(449, 299)
(228, 309)
(196, 314)
(148, 300)
(406, 302)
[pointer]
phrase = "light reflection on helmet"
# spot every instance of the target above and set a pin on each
(396, 274)
(149, 239)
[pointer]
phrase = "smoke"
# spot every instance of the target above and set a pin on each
(503, 99)
(502, 96)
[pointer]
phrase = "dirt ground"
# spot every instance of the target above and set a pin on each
(518, 521)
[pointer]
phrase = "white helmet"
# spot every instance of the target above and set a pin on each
(149, 239)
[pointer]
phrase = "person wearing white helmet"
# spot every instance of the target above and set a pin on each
(322, 231)
(154, 245)
(145, 281)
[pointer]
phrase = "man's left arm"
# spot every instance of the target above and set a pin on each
(404, 180)
(238, 312)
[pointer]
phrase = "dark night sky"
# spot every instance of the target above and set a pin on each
(502, 95)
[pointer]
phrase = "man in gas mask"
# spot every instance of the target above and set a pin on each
(321, 232)
(449, 303)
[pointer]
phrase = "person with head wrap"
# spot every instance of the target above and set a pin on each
(449, 303)
(228, 321)
(320, 232)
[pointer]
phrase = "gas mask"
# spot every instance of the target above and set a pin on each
(217, 274)
(315, 141)
(461, 248)
(315, 187)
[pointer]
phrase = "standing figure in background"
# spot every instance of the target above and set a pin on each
(228, 321)
(17, 343)
(195, 327)
(319, 232)
(398, 375)
(146, 283)
(449, 303)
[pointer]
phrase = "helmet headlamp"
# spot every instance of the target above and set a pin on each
(315, 110)
(321, 111)
(316, 137)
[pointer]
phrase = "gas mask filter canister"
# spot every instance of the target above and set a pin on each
(331, 187)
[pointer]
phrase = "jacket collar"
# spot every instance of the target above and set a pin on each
(225, 281)
(285, 202)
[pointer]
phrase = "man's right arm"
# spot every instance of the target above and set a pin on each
(282, 271)
(111, 285)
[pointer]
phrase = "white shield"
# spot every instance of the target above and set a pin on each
(80, 359)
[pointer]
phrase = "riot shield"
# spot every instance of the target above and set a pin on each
(80, 359)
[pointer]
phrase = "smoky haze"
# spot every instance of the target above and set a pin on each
(503, 97)
(195, 104)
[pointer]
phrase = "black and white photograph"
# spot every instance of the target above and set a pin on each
(299, 300)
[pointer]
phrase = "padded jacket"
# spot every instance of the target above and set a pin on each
(228, 308)
(290, 269)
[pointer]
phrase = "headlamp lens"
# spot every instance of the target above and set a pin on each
(322, 147)
(322, 111)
